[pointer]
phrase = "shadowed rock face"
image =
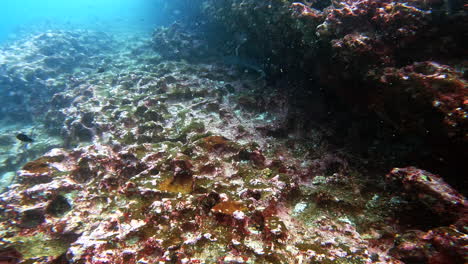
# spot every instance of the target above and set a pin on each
(58, 206)
(370, 60)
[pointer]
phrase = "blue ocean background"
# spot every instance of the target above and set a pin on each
(23, 16)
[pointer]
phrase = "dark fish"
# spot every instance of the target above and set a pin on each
(101, 70)
(24, 137)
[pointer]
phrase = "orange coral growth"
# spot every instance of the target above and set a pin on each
(214, 142)
(40, 166)
(228, 207)
(177, 184)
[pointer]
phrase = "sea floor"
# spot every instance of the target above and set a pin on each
(141, 159)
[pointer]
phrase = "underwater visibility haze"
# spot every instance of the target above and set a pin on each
(20, 16)
(233, 131)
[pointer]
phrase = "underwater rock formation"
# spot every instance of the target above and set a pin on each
(169, 159)
(432, 191)
(180, 170)
(176, 43)
(397, 67)
(33, 70)
(438, 103)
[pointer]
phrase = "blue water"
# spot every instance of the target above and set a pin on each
(22, 16)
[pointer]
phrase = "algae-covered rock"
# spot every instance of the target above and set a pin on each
(185, 157)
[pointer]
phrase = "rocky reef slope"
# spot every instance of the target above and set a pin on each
(177, 153)
(32, 70)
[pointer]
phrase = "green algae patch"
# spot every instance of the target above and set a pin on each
(140, 151)
(197, 127)
(128, 138)
(39, 245)
(198, 136)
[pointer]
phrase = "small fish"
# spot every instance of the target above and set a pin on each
(24, 138)
(101, 70)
